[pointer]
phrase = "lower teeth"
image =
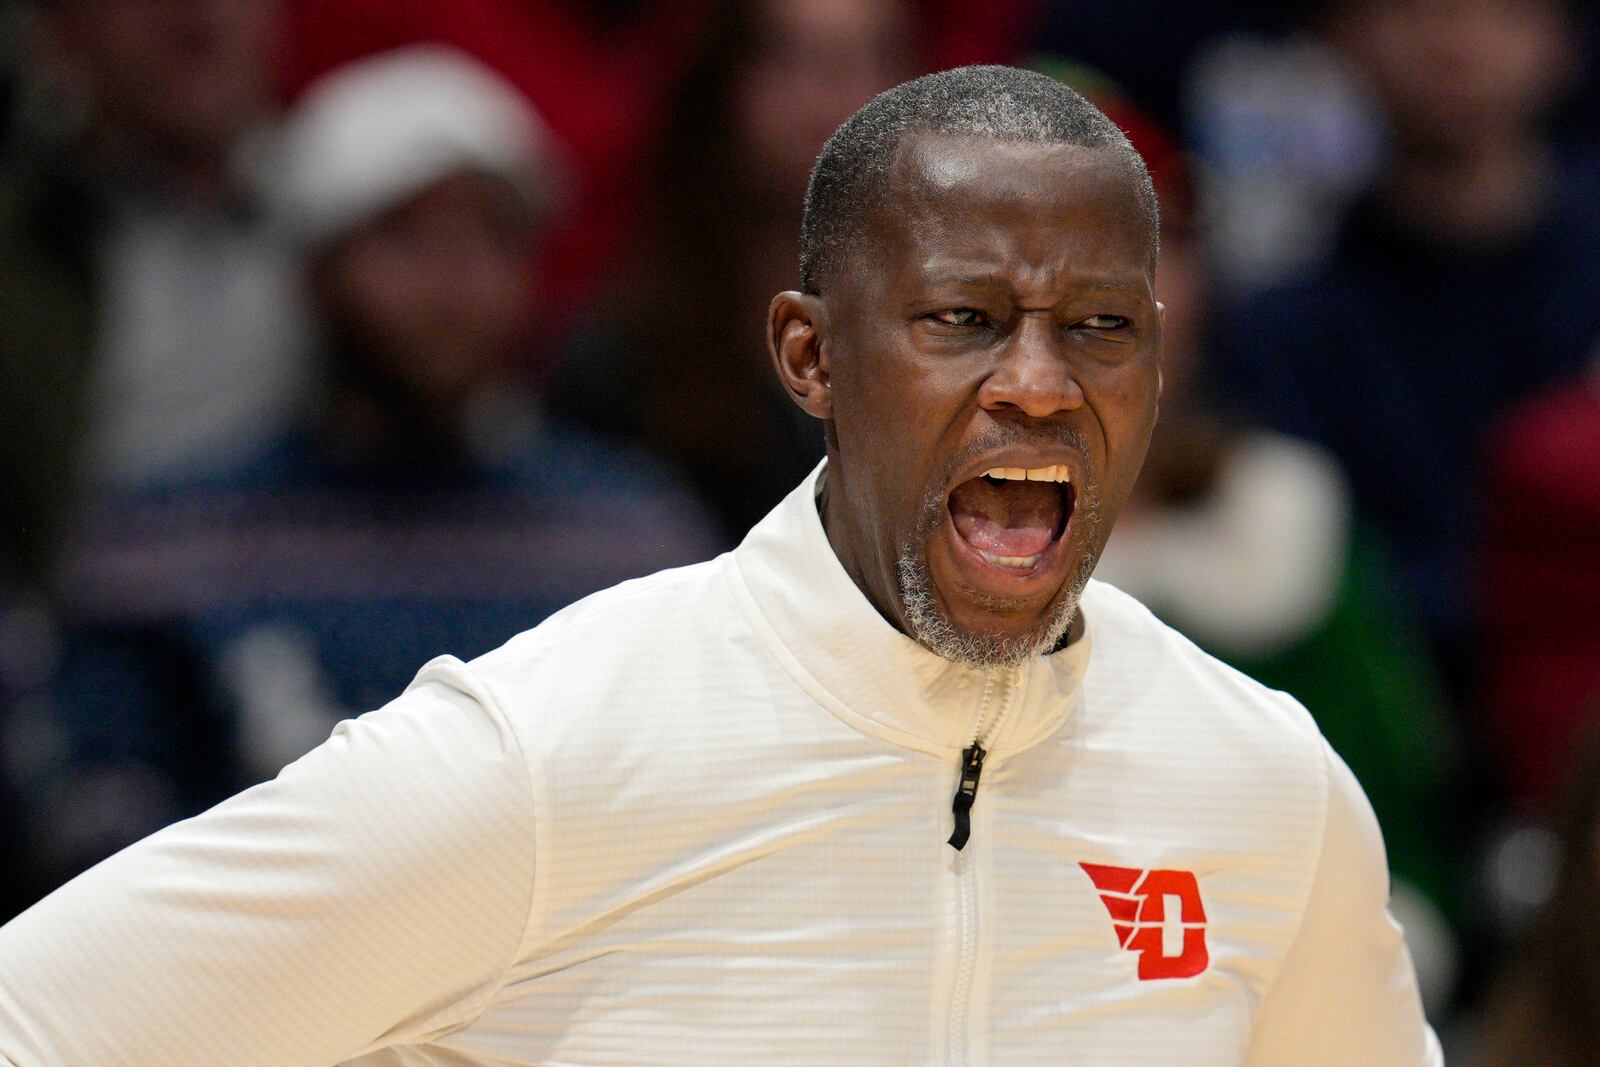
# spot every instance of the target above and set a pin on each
(1010, 561)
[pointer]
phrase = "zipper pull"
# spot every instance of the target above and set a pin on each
(966, 792)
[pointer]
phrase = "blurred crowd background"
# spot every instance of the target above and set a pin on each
(339, 334)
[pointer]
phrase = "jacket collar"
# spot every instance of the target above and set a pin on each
(836, 646)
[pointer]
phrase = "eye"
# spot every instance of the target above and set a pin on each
(1105, 322)
(958, 317)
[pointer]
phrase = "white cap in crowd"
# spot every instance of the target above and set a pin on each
(373, 133)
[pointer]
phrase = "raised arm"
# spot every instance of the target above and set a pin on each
(370, 895)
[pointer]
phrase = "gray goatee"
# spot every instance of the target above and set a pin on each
(934, 630)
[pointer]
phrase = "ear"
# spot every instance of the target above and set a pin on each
(1161, 353)
(795, 323)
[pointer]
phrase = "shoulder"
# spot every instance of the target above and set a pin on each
(1239, 770)
(633, 676)
(1147, 673)
(1126, 633)
(638, 626)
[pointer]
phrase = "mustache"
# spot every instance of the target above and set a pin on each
(1005, 436)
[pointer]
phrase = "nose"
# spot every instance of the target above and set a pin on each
(1032, 373)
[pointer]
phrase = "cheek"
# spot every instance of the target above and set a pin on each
(1125, 401)
(888, 418)
(896, 401)
(865, 427)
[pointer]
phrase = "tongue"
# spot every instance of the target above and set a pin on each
(1008, 519)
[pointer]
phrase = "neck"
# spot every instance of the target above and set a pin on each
(841, 538)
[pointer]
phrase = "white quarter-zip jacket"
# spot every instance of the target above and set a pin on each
(703, 819)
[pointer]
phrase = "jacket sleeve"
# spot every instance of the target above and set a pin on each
(1347, 992)
(373, 894)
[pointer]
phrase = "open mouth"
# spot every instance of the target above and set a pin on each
(1013, 516)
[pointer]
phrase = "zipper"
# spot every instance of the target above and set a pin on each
(966, 793)
(966, 892)
(972, 760)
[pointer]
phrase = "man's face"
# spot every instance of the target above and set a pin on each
(1000, 319)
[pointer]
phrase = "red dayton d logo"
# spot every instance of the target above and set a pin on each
(1156, 914)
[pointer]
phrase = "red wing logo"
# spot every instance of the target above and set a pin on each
(1156, 914)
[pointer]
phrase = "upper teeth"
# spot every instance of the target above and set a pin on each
(1057, 473)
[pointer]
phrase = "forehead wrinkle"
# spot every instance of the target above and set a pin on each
(957, 243)
(934, 274)
(1064, 279)
(917, 218)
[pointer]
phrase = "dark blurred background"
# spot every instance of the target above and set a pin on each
(339, 334)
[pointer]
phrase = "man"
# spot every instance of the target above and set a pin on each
(869, 789)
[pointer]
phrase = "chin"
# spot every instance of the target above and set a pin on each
(1021, 629)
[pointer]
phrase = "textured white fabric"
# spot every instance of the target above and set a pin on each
(701, 819)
